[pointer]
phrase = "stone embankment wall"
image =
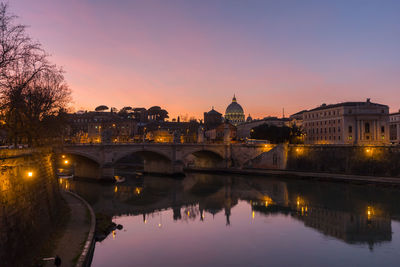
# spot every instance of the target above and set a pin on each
(28, 204)
(359, 160)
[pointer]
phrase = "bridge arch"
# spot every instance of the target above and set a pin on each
(83, 165)
(146, 154)
(155, 162)
(204, 158)
(82, 155)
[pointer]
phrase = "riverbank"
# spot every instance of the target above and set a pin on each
(75, 245)
(332, 177)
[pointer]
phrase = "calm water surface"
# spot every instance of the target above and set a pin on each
(211, 220)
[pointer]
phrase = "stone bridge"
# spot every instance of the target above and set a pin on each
(98, 160)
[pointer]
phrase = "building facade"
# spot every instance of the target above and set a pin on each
(394, 124)
(353, 123)
(212, 119)
(234, 112)
(96, 127)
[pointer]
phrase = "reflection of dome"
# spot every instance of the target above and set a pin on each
(234, 112)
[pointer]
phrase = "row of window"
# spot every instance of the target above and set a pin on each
(322, 122)
(322, 114)
(324, 130)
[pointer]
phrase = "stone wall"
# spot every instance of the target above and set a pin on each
(28, 204)
(360, 160)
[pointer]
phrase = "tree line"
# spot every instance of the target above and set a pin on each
(33, 91)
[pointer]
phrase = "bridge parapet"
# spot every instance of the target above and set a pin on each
(169, 158)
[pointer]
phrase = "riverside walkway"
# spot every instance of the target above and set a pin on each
(75, 237)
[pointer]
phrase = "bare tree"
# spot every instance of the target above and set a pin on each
(15, 44)
(32, 90)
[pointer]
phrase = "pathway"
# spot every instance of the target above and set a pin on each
(70, 245)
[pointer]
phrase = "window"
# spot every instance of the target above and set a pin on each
(366, 126)
(350, 129)
(383, 129)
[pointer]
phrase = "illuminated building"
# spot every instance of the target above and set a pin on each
(354, 123)
(394, 124)
(163, 132)
(234, 112)
(224, 131)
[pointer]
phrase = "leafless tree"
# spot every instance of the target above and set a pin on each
(32, 90)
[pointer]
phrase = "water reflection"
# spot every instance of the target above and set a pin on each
(346, 213)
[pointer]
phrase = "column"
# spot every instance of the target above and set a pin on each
(398, 133)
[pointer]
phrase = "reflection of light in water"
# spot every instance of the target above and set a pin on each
(160, 223)
(253, 214)
(138, 190)
(370, 212)
(116, 189)
(113, 234)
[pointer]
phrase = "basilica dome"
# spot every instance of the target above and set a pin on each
(234, 112)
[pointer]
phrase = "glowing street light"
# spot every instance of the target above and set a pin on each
(66, 161)
(29, 174)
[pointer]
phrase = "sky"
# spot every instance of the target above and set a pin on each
(187, 56)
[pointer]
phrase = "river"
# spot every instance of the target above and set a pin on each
(214, 220)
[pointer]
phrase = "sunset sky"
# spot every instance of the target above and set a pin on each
(187, 56)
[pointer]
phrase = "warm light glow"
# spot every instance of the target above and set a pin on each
(159, 225)
(66, 161)
(113, 234)
(370, 212)
(299, 150)
(253, 215)
(138, 190)
(63, 156)
(116, 189)
(29, 174)
(369, 151)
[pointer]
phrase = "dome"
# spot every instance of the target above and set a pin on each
(249, 118)
(234, 112)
